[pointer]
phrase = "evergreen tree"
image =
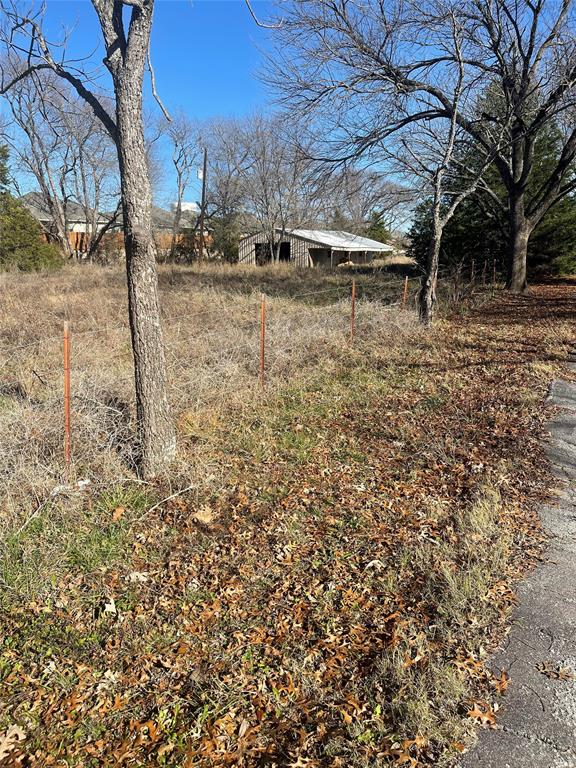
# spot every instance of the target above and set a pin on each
(377, 230)
(226, 234)
(21, 244)
(479, 230)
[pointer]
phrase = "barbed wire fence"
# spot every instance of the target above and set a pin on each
(79, 384)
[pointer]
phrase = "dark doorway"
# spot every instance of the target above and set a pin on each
(321, 257)
(285, 251)
(263, 252)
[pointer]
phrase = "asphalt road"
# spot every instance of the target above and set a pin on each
(537, 724)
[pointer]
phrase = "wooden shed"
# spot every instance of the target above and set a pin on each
(311, 248)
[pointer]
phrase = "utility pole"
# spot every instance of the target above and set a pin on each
(203, 205)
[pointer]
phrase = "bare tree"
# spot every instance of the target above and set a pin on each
(228, 161)
(278, 178)
(127, 53)
(358, 198)
(430, 155)
(42, 151)
(57, 140)
(371, 69)
(429, 152)
(94, 177)
(258, 173)
(127, 45)
(263, 173)
(182, 134)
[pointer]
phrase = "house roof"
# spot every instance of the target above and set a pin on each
(162, 219)
(340, 241)
(36, 205)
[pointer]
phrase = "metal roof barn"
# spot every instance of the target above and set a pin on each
(310, 248)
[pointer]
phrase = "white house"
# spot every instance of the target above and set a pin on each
(76, 216)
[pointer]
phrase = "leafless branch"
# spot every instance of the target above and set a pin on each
(257, 21)
(154, 92)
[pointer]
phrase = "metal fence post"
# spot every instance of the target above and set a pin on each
(353, 312)
(67, 429)
(262, 340)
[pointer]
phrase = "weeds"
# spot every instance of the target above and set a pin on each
(212, 353)
(327, 593)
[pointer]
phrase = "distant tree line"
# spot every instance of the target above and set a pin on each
(261, 175)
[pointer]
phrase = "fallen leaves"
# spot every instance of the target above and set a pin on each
(483, 714)
(556, 671)
(501, 682)
(327, 610)
(406, 752)
(9, 741)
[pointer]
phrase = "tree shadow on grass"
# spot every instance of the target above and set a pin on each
(487, 328)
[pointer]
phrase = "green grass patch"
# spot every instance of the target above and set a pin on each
(65, 538)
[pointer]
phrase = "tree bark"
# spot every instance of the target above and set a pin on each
(156, 435)
(520, 231)
(427, 295)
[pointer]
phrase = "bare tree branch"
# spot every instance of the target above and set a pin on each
(154, 92)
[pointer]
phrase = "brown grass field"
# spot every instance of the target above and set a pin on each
(211, 321)
(328, 587)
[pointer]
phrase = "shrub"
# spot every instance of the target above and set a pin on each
(21, 244)
(565, 264)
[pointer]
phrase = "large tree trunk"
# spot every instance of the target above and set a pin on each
(427, 295)
(520, 231)
(156, 434)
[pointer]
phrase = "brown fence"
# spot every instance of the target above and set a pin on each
(112, 243)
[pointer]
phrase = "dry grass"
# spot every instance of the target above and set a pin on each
(396, 259)
(327, 592)
(211, 320)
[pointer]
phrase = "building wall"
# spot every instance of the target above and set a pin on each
(303, 253)
(299, 255)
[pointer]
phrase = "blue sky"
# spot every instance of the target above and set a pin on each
(207, 56)
(205, 53)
